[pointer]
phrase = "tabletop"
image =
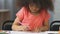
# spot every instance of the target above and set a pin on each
(21, 32)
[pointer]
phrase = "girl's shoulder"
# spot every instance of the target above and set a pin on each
(24, 8)
(45, 11)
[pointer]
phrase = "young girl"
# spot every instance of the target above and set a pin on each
(33, 16)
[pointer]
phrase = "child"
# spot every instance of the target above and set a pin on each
(33, 16)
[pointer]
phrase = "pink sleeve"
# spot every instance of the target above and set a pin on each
(20, 13)
(47, 16)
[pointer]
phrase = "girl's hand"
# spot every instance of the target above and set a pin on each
(36, 30)
(42, 29)
(23, 28)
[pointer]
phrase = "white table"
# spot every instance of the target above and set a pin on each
(20, 32)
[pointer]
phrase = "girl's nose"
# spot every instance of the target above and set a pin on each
(34, 8)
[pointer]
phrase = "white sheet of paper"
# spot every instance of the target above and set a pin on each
(18, 32)
(52, 32)
(21, 32)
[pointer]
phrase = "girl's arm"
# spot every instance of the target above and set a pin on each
(45, 27)
(16, 26)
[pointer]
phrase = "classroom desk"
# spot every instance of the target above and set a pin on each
(20, 32)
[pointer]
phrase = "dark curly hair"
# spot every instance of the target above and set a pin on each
(47, 4)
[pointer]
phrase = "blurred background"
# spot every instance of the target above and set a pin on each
(8, 10)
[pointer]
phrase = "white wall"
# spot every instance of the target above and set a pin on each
(1, 4)
(57, 10)
(10, 4)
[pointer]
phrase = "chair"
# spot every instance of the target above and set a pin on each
(7, 25)
(55, 26)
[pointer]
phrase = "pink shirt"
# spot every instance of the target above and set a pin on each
(31, 20)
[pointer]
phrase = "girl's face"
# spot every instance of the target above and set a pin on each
(34, 7)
